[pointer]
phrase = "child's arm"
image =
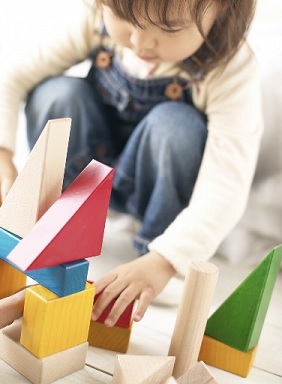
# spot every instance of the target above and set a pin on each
(11, 308)
(142, 279)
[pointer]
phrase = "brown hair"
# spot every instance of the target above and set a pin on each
(227, 33)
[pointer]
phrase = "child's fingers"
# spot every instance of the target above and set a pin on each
(143, 304)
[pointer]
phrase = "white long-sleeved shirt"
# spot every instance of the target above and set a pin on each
(230, 98)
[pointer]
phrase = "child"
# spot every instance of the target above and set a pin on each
(11, 308)
(172, 103)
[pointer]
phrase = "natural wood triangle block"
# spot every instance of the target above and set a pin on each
(39, 184)
(199, 374)
(73, 228)
(239, 320)
(142, 369)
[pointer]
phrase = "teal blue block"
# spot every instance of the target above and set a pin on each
(63, 280)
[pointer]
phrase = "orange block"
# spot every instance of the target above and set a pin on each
(11, 280)
(111, 338)
(220, 355)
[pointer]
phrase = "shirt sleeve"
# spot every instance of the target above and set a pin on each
(35, 46)
(231, 101)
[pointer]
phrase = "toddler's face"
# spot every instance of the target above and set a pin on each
(158, 43)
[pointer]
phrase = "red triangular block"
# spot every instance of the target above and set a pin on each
(73, 227)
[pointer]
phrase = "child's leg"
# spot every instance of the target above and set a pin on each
(11, 308)
(159, 166)
(90, 137)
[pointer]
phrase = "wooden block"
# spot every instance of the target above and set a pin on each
(63, 280)
(39, 371)
(239, 320)
(171, 380)
(11, 280)
(52, 324)
(142, 369)
(73, 228)
(110, 338)
(199, 374)
(192, 315)
(124, 320)
(39, 184)
(224, 357)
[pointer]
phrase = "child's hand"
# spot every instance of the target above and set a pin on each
(11, 308)
(8, 172)
(142, 279)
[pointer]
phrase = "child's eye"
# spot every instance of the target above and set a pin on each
(171, 31)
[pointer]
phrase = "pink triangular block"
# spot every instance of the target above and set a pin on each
(73, 227)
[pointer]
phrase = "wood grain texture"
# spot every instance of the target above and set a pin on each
(199, 374)
(73, 228)
(142, 369)
(37, 186)
(110, 338)
(239, 320)
(39, 371)
(11, 280)
(222, 356)
(51, 323)
(192, 315)
(63, 280)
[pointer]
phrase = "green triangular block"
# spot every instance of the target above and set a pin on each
(239, 320)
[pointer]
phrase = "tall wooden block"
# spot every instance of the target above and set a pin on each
(73, 228)
(39, 184)
(192, 315)
(124, 320)
(110, 338)
(224, 357)
(11, 280)
(239, 320)
(199, 374)
(39, 371)
(142, 369)
(52, 324)
(63, 279)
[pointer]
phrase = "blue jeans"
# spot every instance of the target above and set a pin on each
(156, 162)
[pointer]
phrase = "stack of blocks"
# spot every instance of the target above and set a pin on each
(47, 237)
(233, 331)
(114, 338)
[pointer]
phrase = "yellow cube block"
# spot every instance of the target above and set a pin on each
(11, 280)
(51, 323)
(111, 338)
(222, 356)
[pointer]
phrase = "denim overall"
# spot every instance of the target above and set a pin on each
(155, 144)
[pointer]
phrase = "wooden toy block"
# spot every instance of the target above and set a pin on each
(37, 186)
(171, 380)
(239, 320)
(222, 356)
(73, 227)
(192, 315)
(52, 324)
(63, 280)
(11, 280)
(39, 371)
(110, 338)
(124, 320)
(142, 369)
(199, 374)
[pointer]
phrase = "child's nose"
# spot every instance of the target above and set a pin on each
(141, 39)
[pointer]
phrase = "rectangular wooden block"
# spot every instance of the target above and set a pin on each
(224, 357)
(110, 338)
(52, 324)
(11, 280)
(63, 279)
(39, 371)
